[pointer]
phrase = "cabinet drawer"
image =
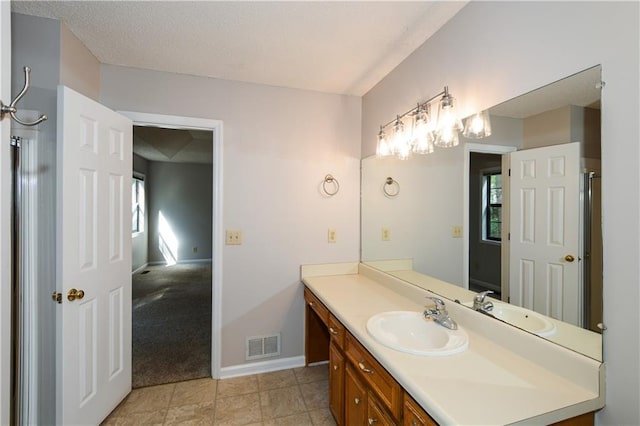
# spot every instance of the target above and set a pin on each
(316, 305)
(384, 387)
(414, 415)
(336, 330)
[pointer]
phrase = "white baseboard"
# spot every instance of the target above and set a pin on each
(139, 269)
(162, 262)
(261, 367)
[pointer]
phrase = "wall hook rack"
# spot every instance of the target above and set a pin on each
(11, 108)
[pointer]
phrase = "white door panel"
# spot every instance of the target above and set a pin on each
(94, 242)
(545, 201)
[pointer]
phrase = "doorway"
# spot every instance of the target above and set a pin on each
(485, 223)
(166, 243)
(171, 255)
(479, 233)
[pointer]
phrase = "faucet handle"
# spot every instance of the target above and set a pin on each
(480, 296)
(440, 306)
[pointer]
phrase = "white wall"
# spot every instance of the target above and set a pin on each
(182, 193)
(79, 69)
(494, 51)
(140, 240)
(278, 146)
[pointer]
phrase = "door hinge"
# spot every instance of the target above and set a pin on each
(508, 236)
(56, 297)
(509, 172)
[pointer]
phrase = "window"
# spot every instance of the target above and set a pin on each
(137, 204)
(492, 205)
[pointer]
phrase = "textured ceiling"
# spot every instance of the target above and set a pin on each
(173, 145)
(327, 46)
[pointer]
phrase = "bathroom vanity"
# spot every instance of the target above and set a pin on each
(504, 376)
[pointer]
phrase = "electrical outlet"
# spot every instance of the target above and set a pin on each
(386, 234)
(456, 231)
(233, 237)
(331, 237)
(195, 249)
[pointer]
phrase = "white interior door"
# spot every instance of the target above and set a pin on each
(93, 339)
(545, 230)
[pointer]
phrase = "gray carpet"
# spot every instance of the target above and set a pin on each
(171, 324)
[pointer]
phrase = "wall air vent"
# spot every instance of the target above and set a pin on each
(263, 346)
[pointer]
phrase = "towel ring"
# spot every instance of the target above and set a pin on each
(334, 185)
(388, 187)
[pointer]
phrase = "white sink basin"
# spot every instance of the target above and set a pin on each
(524, 318)
(410, 332)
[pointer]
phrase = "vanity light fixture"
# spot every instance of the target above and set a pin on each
(477, 126)
(426, 131)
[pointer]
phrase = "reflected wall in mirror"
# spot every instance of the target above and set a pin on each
(456, 223)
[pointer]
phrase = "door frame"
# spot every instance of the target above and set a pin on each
(468, 149)
(216, 126)
(5, 216)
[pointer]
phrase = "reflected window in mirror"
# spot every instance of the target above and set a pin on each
(492, 205)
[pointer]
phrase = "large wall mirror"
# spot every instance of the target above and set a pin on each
(517, 213)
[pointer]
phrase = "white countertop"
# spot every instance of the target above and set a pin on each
(506, 376)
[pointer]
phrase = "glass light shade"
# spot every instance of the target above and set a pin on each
(423, 145)
(401, 144)
(422, 133)
(383, 148)
(447, 138)
(477, 126)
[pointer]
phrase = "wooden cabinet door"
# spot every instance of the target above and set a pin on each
(355, 408)
(376, 415)
(336, 384)
(414, 415)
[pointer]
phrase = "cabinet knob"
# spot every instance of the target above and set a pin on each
(311, 304)
(413, 422)
(372, 421)
(335, 366)
(333, 331)
(356, 400)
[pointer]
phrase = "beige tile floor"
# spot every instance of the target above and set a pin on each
(297, 397)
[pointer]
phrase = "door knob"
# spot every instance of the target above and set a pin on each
(74, 294)
(569, 258)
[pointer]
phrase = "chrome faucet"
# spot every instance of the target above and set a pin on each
(440, 314)
(480, 305)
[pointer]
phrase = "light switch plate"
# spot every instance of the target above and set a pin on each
(386, 234)
(331, 235)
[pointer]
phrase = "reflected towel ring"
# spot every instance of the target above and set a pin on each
(335, 185)
(388, 187)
